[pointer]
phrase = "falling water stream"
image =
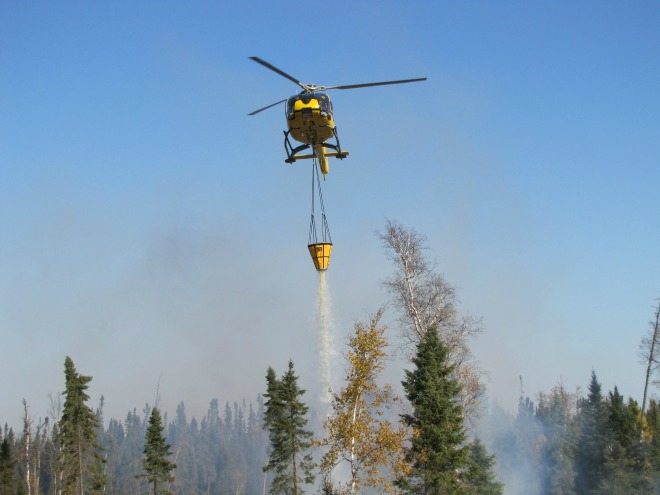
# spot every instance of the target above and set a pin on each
(325, 349)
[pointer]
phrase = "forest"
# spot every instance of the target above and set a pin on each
(433, 435)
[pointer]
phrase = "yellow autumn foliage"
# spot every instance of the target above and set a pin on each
(357, 432)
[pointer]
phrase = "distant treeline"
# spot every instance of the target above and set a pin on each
(223, 453)
(371, 440)
(567, 444)
(563, 444)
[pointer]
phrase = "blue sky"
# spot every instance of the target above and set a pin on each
(149, 228)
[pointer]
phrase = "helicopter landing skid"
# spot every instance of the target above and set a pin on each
(292, 153)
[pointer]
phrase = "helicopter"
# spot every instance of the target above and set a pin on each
(310, 119)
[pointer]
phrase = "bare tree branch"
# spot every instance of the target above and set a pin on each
(425, 301)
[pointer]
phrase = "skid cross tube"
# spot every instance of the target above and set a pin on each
(292, 153)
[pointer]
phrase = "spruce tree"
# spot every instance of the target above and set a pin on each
(285, 419)
(8, 481)
(480, 479)
(627, 462)
(437, 456)
(156, 461)
(79, 458)
(590, 456)
(558, 424)
(273, 404)
(653, 433)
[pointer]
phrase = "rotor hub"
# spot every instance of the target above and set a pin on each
(311, 88)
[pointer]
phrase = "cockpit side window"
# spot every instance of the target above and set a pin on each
(289, 106)
(324, 103)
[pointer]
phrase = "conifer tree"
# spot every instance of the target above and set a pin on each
(79, 457)
(556, 416)
(480, 479)
(516, 442)
(285, 419)
(653, 435)
(156, 461)
(627, 466)
(590, 456)
(437, 456)
(273, 404)
(8, 482)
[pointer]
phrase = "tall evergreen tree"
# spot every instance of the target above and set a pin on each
(437, 456)
(79, 458)
(157, 465)
(285, 419)
(653, 435)
(210, 440)
(8, 481)
(627, 463)
(255, 438)
(556, 416)
(273, 404)
(592, 442)
(515, 441)
(480, 479)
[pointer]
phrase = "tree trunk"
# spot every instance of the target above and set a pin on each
(37, 461)
(27, 439)
(80, 468)
(649, 364)
(293, 455)
(354, 471)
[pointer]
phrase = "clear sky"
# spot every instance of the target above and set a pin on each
(149, 228)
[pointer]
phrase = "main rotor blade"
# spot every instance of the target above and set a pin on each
(267, 107)
(279, 71)
(382, 83)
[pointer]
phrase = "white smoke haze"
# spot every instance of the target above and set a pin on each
(210, 303)
(203, 308)
(209, 307)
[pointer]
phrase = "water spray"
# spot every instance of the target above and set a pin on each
(325, 337)
(320, 248)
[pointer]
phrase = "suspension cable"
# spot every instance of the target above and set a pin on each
(312, 224)
(325, 230)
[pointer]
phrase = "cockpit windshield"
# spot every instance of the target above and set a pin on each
(323, 99)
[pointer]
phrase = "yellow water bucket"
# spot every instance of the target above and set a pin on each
(321, 254)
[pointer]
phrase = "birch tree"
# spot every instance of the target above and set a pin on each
(357, 433)
(424, 301)
(27, 448)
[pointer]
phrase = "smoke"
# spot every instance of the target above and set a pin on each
(514, 440)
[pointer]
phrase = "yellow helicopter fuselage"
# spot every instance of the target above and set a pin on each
(310, 121)
(309, 118)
